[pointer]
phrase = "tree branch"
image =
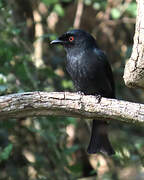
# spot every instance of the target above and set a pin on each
(69, 104)
(134, 69)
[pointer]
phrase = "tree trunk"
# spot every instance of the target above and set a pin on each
(134, 69)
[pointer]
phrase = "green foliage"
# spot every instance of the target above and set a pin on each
(115, 13)
(49, 2)
(5, 153)
(132, 9)
(59, 10)
(96, 6)
(76, 169)
(87, 2)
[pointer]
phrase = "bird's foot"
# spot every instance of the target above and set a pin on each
(80, 93)
(98, 97)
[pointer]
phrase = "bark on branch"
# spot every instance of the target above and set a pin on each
(134, 69)
(69, 104)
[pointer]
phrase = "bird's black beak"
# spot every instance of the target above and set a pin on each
(57, 41)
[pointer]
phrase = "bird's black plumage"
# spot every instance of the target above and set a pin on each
(91, 73)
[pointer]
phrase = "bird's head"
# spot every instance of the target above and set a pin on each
(75, 39)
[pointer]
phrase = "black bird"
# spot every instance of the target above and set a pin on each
(92, 75)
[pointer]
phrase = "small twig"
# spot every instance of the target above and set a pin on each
(78, 15)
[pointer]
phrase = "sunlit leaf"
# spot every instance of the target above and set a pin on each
(67, 84)
(59, 10)
(96, 5)
(2, 79)
(87, 2)
(115, 13)
(132, 9)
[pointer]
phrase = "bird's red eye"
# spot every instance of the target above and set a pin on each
(71, 38)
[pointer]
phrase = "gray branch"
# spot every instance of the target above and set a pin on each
(134, 69)
(69, 104)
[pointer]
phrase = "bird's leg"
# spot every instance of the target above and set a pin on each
(98, 97)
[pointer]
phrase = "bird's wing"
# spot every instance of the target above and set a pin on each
(101, 57)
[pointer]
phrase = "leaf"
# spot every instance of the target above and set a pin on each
(132, 9)
(115, 13)
(71, 120)
(59, 10)
(67, 84)
(76, 168)
(3, 79)
(71, 150)
(87, 2)
(6, 152)
(15, 31)
(66, 1)
(49, 2)
(96, 5)
(3, 88)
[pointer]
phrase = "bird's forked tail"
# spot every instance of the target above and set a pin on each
(99, 141)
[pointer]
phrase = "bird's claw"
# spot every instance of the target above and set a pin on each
(98, 97)
(80, 93)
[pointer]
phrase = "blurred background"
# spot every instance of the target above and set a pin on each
(54, 148)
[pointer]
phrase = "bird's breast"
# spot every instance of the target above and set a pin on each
(77, 69)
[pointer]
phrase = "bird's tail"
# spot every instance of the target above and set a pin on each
(99, 141)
